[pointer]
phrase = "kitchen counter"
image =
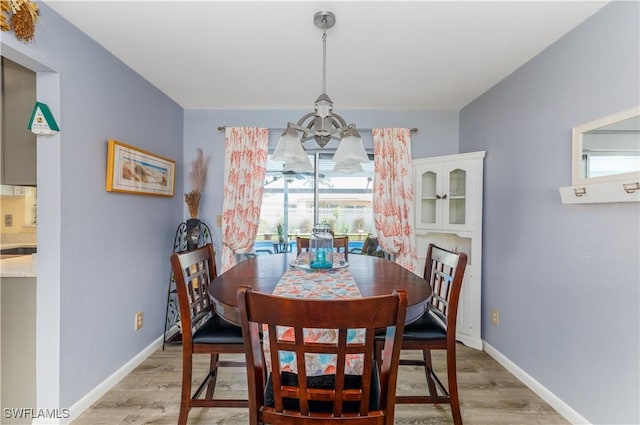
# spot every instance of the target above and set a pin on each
(18, 266)
(5, 245)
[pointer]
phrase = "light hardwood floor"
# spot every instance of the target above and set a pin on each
(489, 395)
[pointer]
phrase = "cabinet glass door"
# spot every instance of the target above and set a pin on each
(457, 196)
(428, 197)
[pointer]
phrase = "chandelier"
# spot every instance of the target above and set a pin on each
(322, 125)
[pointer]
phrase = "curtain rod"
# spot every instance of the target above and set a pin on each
(412, 130)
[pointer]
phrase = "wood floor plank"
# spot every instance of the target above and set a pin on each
(489, 395)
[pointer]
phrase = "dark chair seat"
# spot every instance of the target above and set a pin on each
(427, 327)
(217, 331)
(326, 382)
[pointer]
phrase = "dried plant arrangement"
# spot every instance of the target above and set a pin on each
(19, 16)
(198, 176)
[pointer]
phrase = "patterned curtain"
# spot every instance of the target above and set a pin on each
(393, 194)
(245, 166)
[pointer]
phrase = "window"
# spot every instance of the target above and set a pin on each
(605, 163)
(344, 201)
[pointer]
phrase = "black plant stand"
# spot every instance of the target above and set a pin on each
(172, 316)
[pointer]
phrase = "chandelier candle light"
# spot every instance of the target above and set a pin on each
(322, 125)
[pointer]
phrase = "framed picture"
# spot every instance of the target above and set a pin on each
(133, 170)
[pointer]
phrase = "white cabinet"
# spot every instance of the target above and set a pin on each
(445, 193)
(448, 212)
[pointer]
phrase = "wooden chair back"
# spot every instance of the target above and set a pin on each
(338, 242)
(444, 270)
(302, 244)
(280, 397)
(342, 242)
(194, 271)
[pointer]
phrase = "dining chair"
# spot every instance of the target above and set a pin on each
(338, 242)
(302, 244)
(203, 331)
(342, 242)
(279, 396)
(370, 245)
(436, 328)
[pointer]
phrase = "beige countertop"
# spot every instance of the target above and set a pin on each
(17, 245)
(18, 266)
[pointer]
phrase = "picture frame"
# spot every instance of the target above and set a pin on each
(136, 171)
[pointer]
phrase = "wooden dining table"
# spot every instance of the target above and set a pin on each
(372, 275)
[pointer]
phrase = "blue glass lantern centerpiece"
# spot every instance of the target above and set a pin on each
(321, 247)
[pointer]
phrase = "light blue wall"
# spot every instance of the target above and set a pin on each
(437, 135)
(113, 249)
(565, 278)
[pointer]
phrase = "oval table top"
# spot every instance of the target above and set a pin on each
(373, 275)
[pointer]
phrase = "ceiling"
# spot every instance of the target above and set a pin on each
(380, 54)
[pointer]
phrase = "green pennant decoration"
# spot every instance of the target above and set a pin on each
(42, 121)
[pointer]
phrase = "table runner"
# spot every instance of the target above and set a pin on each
(318, 284)
(300, 282)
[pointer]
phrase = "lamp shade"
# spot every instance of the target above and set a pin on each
(348, 167)
(289, 150)
(350, 153)
(298, 166)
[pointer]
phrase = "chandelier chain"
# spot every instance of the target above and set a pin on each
(324, 55)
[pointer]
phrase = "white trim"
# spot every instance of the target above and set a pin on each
(94, 395)
(453, 157)
(550, 398)
(50, 253)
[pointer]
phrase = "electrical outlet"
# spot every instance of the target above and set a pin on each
(495, 318)
(139, 320)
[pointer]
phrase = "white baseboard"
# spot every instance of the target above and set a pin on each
(550, 398)
(94, 395)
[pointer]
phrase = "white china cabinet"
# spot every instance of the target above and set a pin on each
(448, 212)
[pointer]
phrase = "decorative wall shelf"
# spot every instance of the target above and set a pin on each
(595, 193)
